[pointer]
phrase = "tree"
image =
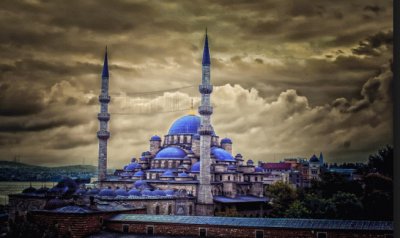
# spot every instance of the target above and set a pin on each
(297, 210)
(282, 196)
(319, 207)
(347, 206)
(378, 197)
(382, 161)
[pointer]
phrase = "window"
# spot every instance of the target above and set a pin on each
(202, 232)
(101, 220)
(157, 210)
(125, 228)
(150, 230)
(190, 209)
(259, 234)
(256, 178)
(169, 209)
(322, 235)
(229, 178)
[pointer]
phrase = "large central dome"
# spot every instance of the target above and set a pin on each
(185, 125)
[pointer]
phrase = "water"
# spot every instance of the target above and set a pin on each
(17, 187)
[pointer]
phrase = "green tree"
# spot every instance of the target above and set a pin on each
(378, 197)
(382, 161)
(297, 210)
(347, 206)
(282, 196)
(319, 206)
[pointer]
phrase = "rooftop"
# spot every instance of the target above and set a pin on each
(286, 223)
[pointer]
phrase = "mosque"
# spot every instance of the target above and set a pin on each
(189, 171)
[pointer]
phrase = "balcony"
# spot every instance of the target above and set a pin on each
(103, 116)
(103, 134)
(104, 98)
(205, 110)
(205, 88)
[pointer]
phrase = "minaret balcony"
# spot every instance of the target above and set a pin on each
(205, 130)
(103, 116)
(103, 134)
(205, 88)
(104, 98)
(205, 110)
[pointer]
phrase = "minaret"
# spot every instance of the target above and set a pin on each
(103, 117)
(204, 196)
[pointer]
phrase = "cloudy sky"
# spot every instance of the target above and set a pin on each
(292, 78)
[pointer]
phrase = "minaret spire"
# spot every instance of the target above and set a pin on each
(103, 134)
(204, 196)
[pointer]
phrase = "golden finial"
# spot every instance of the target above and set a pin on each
(191, 112)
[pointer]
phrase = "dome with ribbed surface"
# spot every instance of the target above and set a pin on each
(221, 154)
(195, 167)
(155, 138)
(168, 173)
(134, 192)
(121, 192)
(226, 141)
(131, 166)
(107, 192)
(171, 153)
(185, 125)
(139, 183)
(139, 173)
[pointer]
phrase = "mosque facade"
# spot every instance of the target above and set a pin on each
(190, 171)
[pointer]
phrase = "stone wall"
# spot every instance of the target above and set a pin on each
(240, 232)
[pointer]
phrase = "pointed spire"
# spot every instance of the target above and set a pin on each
(191, 112)
(206, 52)
(105, 66)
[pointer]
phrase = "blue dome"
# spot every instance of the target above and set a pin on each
(93, 191)
(139, 173)
(314, 159)
(168, 173)
(221, 154)
(143, 158)
(155, 138)
(185, 125)
(258, 169)
(121, 192)
(159, 193)
(171, 152)
(226, 141)
(139, 183)
(107, 192)
(250, 162)
(134, 192)
(131, 166)
(169, 192)
(147, 192)
(195, 167)
(183, 174)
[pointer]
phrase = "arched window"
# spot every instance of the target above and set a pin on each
(157, 210)
(229, 178)
(169, 209)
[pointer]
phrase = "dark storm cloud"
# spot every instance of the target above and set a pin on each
(311, 63)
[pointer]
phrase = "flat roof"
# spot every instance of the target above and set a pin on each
(239, 199)
(286, 223)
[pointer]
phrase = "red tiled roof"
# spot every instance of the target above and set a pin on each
(277, 166)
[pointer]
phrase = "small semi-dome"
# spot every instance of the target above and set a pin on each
(195, 167)
(171, 153)
(314, 159)
(131, 166)
(159, 192)
(143, 158)
(183, 174)
(29, 190)
(134, 192)
(42, 190)
(155, 138)
(239, 156)
(258, 169)
(221, 154)
(250, 162)
(169, 192)
(93, 191)
(121, 192)
(81, 191)
(226, 141)
(147, 192)
(107, 192)
(54, 203)
(168, 173)
(139, 183)
(139, 174)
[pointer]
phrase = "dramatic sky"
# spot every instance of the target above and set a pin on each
(292, 78)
